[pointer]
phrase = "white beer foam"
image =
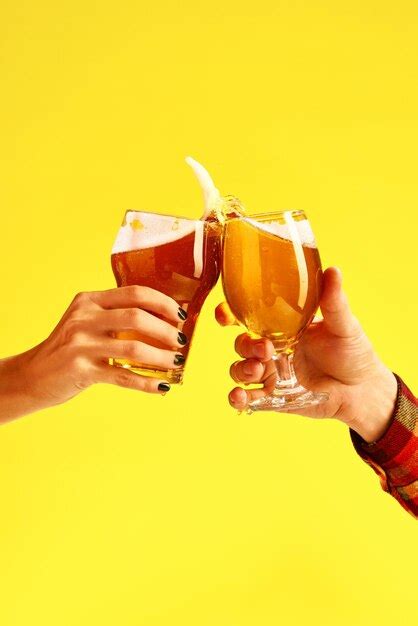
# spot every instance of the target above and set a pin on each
(148, 230)
(303, 228)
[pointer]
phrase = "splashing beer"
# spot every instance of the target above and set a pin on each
(177, 256)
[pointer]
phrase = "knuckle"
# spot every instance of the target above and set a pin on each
(80, 364)
(75, 335)
(133, 350)
(79, 338)
(132, 317)
(125, 378)
(122, 377)
(138, 291)
(74, 330)
(80, 300)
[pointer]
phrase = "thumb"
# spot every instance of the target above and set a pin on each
(224, 315)
(338, 317)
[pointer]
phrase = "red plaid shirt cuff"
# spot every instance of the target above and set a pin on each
(394, 457)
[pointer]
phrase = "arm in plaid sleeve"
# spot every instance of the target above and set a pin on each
(394, 457)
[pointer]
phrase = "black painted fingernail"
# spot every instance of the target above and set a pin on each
(179, 359)
(182, 314)
(164, 387)
(182, 339)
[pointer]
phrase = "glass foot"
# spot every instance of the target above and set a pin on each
(288, 401)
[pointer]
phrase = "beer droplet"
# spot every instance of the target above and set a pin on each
(233, 207)
(136, 224)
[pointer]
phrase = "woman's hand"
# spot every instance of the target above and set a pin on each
(333, 355)
(76, 353)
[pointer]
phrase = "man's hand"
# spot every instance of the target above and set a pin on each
(333, 355)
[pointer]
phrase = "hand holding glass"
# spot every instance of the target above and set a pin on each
(272, 282)
(176, 256)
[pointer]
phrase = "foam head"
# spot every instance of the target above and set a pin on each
(289, 229)
(142, 230)
(146, 230)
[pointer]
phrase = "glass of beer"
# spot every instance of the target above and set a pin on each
(177, 256)
(271, 277)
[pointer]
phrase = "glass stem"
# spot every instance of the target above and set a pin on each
(286, 377)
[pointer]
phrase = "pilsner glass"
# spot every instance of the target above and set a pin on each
(272, 281)
(177, 256)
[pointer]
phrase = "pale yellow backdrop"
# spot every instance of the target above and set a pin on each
(119, 508)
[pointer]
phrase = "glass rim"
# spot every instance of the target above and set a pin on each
(254, 216)
(266, 214)
(176, 217)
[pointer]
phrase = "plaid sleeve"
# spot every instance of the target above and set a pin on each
(394, 457)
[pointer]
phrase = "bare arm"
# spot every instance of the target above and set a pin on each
(76, 353)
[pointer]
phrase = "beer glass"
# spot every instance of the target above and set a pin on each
(271, 277)
(177, 256)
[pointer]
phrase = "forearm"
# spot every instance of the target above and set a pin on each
(377, 405)
(16, 398)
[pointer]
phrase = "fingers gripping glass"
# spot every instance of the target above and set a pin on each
(272, 281)
(176, 256)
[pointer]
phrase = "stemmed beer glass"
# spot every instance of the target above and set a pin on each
(272, 281)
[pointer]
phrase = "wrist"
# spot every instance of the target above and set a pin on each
(378, 401)
(16, 396)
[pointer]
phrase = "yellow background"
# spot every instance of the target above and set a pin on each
(121, 508)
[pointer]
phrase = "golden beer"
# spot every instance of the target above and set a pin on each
(176, 256)
(272, 274)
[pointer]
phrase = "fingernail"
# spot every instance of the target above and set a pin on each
(179, 359)
(182, 314)
(182, 339)
(164, 387)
